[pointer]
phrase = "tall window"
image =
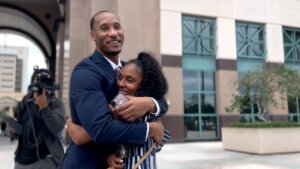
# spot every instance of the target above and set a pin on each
(250, 40)
(251, 53)
(291, 38)
(200, 105)
(198, 36)
(200, 116)
(294, 109)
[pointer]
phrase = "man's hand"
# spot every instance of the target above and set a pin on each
(135, 108)
(114, 162)
(41, 99)
(156, 131)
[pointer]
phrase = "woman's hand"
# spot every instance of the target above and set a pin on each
(114, 112)
(135, 108)
(77, 133)
(114, 162)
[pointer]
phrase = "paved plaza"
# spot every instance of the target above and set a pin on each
(197, 155)
(210, 155)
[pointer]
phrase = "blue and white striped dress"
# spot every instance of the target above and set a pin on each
(135, 152)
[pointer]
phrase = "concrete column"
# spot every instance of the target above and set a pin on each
(78, 30)
(61, 40)
(274, 43)
(175, 114)
(226, 74)
(141, 23)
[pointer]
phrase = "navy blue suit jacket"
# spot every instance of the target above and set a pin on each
(92, 87)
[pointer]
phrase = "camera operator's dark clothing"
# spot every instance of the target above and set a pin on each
(47, 122)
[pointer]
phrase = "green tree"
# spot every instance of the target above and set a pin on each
(259, 87)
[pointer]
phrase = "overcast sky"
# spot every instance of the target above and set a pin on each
(35, 56)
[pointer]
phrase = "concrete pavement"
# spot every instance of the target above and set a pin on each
(210, 155)
(197, 155)
(7, 149)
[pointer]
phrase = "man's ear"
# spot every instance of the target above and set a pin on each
(92, 34)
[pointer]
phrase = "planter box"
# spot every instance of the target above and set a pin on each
(261, 140)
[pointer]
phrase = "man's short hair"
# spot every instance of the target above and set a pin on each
(92, 21)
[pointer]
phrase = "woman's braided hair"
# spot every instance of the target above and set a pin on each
(154, 83)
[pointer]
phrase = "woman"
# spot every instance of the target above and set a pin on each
(139, 77)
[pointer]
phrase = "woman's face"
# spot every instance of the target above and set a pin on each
(130, 79)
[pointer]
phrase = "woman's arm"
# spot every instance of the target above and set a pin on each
(77, 133)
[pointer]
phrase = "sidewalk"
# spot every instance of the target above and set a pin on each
(210, 155)
(5, 140)
(197, 155)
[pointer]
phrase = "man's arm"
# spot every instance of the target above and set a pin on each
(137, 107)
(90, 109)
(163, 107)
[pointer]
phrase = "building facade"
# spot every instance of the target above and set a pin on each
(8, 72)
(203, 47)
(13, 71)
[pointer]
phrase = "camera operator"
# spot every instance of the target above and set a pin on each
(41, 116)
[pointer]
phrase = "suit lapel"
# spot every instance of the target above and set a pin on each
(99, 59)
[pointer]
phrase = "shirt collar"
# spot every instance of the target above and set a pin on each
(113, 65)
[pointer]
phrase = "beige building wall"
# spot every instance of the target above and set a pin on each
(274, 45)
(140, 20)
(273, 13)
(171, 51)
(79, 13)
(174, 116)
(226, 73)
(156, 26)
(141, 31)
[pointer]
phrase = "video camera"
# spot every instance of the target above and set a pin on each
(42, 81)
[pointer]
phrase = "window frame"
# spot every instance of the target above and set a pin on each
(250, 41)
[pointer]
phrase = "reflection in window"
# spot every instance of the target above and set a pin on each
(191, 103)
(190, 82)
(209, 81)
(293, 105)
(199, 92)
(192, 127)
(199, 103)
(208, 127)
(294, 109)
(208, 103)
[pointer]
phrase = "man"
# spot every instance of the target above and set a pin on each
(93, 86)
(40, 118)
(3, 127)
